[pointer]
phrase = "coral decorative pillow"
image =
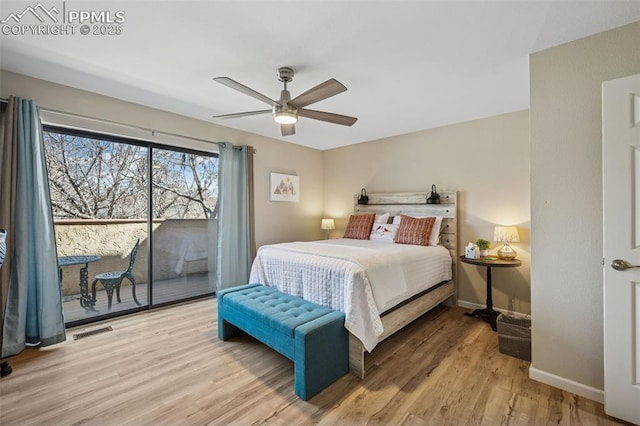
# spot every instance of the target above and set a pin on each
(414, 230)
(434, 239)
(359, 226)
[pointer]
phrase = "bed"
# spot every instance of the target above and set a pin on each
(381, 286)
(184, 242)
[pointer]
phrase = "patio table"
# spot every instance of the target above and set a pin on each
(86, 301)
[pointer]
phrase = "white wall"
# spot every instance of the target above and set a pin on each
(486, 161)
(566, 204)
(275, 222)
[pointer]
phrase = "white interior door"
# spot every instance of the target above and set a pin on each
(621, 195)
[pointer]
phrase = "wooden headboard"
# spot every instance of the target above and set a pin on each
(415, 204)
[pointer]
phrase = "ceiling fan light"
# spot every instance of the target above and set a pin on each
(285, 117)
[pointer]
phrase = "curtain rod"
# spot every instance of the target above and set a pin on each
(132, 126)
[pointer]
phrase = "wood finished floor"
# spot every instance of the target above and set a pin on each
(169, 290)
(167, 367)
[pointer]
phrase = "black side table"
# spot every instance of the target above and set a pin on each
(488, 314)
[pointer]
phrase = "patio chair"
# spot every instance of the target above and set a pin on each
(112, 280)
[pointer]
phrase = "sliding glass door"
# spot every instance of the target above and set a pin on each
(184, 194)
(134, 223)
(99, 202)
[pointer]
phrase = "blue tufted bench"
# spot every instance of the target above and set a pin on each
(310, 335)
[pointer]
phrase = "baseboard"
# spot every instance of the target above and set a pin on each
(567, 385)
(471, 305)
(544, 377)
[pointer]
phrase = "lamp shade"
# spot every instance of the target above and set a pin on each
(327, 224)
(506, 234)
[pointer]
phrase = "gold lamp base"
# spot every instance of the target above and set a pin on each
(506, 252)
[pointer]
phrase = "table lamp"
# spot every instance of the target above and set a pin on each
(506, 235)
(328, 225)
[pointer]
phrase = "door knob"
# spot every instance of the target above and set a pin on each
(622, 265)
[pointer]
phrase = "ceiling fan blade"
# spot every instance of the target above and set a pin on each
(322, 91)
(242, 114)
(288, 129)
(244, 89)
(329, 117)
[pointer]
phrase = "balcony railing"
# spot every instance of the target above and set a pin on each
(183, 253)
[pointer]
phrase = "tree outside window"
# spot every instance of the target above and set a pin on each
(93, 178)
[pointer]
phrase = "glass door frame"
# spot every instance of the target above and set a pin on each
(150, 148)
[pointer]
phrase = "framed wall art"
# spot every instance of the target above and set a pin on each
(285, 187)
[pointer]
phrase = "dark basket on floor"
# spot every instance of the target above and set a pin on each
(514, 336)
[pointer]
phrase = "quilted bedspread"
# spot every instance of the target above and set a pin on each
(362, 278)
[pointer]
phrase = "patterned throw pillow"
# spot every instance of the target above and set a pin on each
(434, 239)
(3, 245)
(383, 232)
(414, 230)
(359, 226)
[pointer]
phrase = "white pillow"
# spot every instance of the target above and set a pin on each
(434, 238)
(383, 232)
(381, 218)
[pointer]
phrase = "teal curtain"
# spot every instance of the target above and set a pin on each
(236, 241)
(32, 311)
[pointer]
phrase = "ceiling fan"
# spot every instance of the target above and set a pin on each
(286, 110)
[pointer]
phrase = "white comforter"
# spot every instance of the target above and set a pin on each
(362, 278)
(186, 245)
